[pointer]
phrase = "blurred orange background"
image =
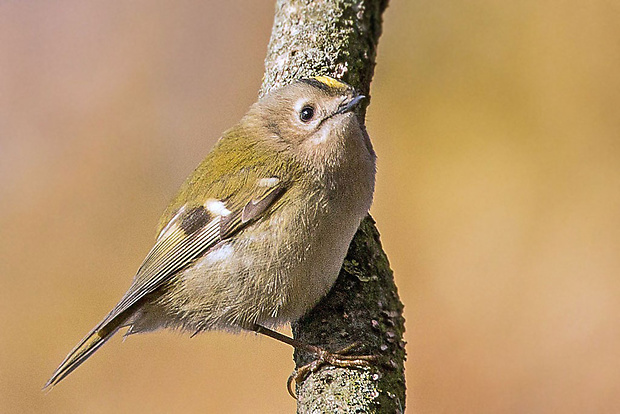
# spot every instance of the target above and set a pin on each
(498, 199)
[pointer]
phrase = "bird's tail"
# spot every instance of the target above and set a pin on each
(93, 341)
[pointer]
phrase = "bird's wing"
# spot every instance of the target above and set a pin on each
(192, 232)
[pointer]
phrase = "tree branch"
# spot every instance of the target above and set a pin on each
(339, 38)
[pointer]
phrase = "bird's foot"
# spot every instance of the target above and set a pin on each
(338, 359)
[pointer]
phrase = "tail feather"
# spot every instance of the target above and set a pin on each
(92, 342)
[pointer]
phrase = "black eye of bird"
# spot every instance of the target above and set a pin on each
(306, 113)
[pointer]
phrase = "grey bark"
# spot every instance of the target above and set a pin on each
(339, 38)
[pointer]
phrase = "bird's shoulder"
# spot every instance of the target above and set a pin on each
(236, 172)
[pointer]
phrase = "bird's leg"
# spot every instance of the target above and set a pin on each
(323, 357)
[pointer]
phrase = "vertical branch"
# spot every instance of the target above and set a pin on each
(339, 38)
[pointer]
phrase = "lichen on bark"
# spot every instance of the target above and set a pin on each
(339, 38)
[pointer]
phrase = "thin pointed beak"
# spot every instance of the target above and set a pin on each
(348, 106)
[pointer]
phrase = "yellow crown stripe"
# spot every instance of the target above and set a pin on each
(330, 82)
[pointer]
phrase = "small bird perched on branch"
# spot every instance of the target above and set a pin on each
(257, 234)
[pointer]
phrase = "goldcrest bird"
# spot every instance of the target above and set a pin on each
(257, 234)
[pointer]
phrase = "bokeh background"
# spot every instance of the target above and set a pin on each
(497, 128)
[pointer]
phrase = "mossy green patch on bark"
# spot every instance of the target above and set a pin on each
(362, 308)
